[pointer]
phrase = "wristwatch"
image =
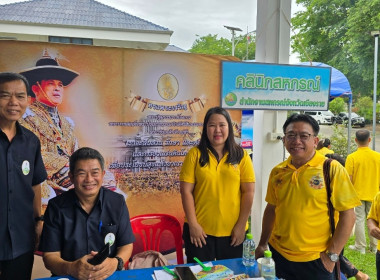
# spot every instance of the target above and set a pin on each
(120, 263)
(333, 257)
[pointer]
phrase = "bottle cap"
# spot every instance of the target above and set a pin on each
(249, 236)
(267, 254)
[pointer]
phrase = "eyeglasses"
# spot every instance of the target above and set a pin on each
(19, 96)
(290, 136)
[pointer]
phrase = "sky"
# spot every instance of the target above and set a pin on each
(189, 19)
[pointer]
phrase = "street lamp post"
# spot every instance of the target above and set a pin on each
(233, 29)
(376, 35)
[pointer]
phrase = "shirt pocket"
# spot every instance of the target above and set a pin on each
(109, 233)
(110, 228)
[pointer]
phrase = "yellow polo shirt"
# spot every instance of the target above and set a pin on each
(364, 167)
(217, 192)
(302, 230)
(374, 212)
(324, 151)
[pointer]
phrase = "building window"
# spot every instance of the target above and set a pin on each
(68, 40)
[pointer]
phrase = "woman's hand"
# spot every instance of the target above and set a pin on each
(197, 235)
(237, 235)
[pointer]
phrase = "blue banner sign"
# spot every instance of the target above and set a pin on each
(274, 86)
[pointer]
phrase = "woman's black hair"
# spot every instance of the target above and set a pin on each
(235, 152)
(323, 143)
(337, 157)
(326, 142)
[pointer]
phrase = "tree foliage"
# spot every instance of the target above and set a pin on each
(339, 141)
(363, 18)
(211, 44)
(337, 32)
(320, 29)
(337, 105)
(364, 107)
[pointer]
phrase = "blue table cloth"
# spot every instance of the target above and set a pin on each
(235, 265)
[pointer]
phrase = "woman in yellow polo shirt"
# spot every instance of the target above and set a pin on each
(324, 147)
(217, 188)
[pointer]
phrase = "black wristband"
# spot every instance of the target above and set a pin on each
(120, 263)
(40, 218)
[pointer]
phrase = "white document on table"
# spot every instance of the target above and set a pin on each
(163, 275)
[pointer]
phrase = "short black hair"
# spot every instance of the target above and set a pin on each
(302, 118)
(83, 154)
(6, 77)
(362, 135)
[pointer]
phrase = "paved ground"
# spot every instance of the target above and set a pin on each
(327, 131)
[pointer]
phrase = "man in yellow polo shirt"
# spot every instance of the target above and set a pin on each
(363, 166)
(373, 220)
(296, 221)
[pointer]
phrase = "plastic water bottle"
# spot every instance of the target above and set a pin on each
(268, 270)
(249, 248)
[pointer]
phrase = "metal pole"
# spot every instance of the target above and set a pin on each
(246, 38)
(349, 126)
(233, 42)
(233, 29)
(376, 34)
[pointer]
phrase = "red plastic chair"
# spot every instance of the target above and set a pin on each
(150, 228)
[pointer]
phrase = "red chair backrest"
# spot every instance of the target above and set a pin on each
(149, 228)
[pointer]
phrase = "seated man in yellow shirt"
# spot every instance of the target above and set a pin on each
(296, 221)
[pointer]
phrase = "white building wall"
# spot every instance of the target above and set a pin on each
(101, 37)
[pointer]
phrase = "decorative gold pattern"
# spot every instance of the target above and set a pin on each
(57, 144)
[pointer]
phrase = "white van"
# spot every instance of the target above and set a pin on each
(322, 117)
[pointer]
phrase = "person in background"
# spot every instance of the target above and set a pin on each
(80, 221)
(296, 220)
(363, 166)
(324, 146)
(373, 219)
(21, 173)
(346, 267)
(217, 184)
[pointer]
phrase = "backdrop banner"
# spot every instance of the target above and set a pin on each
(143, 110)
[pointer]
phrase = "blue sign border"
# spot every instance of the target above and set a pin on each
(264, 86)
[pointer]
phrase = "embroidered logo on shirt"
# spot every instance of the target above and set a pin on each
(110, 238)
(278, 182)
(316, 182)
(25, 167)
